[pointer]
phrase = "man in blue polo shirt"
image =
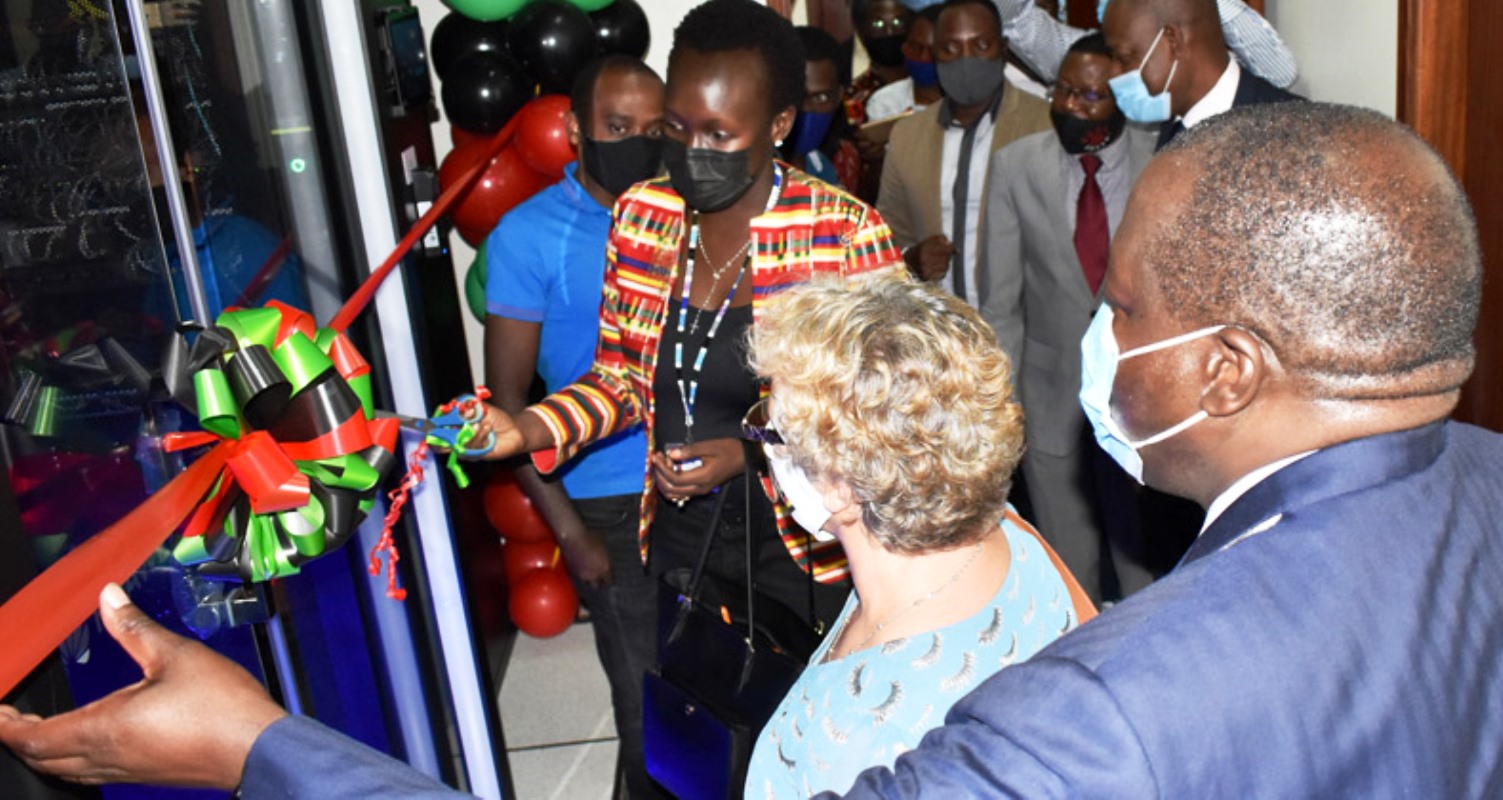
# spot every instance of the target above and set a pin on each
(545, 265)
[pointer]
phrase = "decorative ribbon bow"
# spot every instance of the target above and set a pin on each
(291, 404)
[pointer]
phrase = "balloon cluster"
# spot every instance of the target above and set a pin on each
(495, 57)
(542, 599)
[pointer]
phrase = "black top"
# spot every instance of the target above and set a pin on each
(727, 387)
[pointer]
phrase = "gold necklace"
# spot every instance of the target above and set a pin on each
(904, 610)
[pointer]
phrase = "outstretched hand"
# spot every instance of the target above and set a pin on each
(190, 721)
(509, 438)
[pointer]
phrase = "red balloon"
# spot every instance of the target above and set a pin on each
(543, 134)
(522, 557)
(505, 183)
(511, 513)
(543, 603)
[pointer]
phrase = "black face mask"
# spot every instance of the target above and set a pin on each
(1079, 135)
(619, 164)
(708, 180)
(885, 50)
(971, 81)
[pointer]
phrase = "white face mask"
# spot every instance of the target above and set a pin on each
(1099, 359)
(808, 502)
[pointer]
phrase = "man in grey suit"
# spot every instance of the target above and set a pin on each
(1054, 198)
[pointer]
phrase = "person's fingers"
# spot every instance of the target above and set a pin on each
(148, 643)
(42, 744)
(76, 769)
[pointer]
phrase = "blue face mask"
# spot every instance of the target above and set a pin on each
(809, 130)
(1101, 11)
(1099, 358)
(1132, 93)
(923, 73)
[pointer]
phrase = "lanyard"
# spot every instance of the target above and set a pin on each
(689, 392)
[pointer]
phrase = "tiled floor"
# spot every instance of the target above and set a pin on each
(556, 716)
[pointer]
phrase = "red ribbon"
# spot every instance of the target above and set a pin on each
(367, 290)
(267, 474)
(47, 609)
(40, 616)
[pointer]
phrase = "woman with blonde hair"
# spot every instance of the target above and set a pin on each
(891, 427)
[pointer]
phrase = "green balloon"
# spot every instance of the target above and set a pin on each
(487, 10)
(474, 284)
(590, 5)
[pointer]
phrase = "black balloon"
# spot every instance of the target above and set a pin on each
(457, 36)
(484, 90)
(621, 27)
(552, 40)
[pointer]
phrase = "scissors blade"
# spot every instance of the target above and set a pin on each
(421, 425)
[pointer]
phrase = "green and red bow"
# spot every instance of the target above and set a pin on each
(291, 405)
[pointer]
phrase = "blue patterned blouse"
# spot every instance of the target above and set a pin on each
(870, 707)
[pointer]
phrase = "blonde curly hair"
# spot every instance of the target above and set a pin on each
(902, 392)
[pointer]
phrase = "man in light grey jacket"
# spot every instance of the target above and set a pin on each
(1054, 198)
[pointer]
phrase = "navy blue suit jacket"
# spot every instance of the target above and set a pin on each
(1349, 648)
(1352, 649)
(1251, 91)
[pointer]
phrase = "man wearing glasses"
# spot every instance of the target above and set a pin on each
(1054, 200)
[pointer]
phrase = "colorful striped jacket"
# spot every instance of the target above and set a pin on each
(813, 229)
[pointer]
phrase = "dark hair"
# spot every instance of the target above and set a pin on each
(930, 13)
(717, 26)
(819, 45)
(1093, 44)
(859, 7)
(986, 4)
(582, 94)
(1333, 233)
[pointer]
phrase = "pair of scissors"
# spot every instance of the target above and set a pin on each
(452, 426)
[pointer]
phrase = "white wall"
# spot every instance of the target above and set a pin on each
(1348, 50)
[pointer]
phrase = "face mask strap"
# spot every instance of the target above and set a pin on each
(1170, 342)
(1151, 48)
(1162, 435)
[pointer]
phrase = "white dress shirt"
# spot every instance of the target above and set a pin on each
(1217, 101)
(981, 150)
(1243, 485)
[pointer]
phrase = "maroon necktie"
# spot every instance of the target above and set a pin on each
(1092, 236)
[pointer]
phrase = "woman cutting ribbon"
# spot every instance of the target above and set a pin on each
(691, 260)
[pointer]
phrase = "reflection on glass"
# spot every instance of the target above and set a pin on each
(89, 296)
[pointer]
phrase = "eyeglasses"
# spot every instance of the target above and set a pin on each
(1067, 93)
(756, 426)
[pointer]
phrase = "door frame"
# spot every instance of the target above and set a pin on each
(1442, 47)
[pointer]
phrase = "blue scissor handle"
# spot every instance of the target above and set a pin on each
(462, 415)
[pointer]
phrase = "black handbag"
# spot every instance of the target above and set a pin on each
(726, 658)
